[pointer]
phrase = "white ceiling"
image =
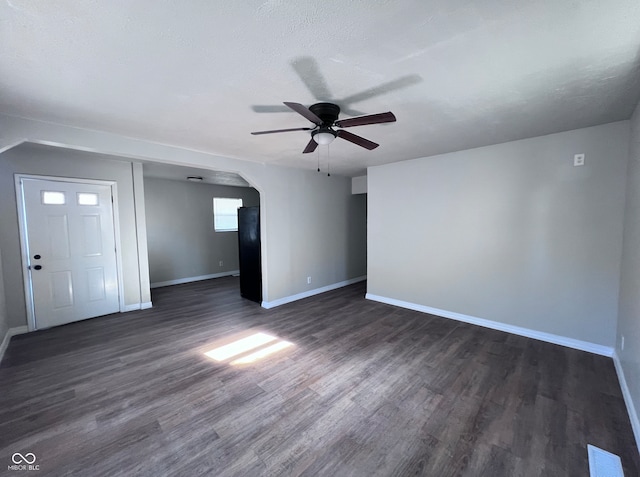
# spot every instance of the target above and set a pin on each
(166, 171)
(203, 74)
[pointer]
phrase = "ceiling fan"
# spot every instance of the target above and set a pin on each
(325, 118)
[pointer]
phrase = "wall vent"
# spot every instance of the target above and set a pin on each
(603, 463)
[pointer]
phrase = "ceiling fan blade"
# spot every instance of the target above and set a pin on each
(310, 147)
(370, 119)
(257, 133)
(304, 111)
(360, 141)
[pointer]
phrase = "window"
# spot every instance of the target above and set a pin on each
(225, 214)
(50, 197)
(87, 198)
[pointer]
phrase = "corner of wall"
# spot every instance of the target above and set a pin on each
(141, 231)
(4, 320)
(11, 332)
(628, 399)
(627, 360)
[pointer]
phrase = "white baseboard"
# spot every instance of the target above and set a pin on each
(628, 400)
(496, 325)
(18, 330)
(136, 306)
(132, 307)
(180, 281)
(316, 291)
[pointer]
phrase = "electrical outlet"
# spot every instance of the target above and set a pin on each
(221, 263)
(578, 160)
(308, 280)
(622, 343)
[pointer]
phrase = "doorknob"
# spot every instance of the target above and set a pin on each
(37, 267)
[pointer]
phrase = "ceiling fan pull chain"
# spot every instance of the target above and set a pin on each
(328, 160)
(318, 160)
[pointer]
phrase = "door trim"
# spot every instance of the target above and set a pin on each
(26, 276)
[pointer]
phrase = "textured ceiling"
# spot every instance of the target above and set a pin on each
(165, 171)
(203, 74)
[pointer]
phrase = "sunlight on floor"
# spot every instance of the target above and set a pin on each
(240, 346)
(247, 349)
(262, 353)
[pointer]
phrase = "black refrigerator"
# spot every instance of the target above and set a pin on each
(249, 253)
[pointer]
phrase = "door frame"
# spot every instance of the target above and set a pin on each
(26, 273)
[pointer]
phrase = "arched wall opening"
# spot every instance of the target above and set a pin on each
(186, 241)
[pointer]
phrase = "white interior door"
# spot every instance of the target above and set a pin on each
(71, 250)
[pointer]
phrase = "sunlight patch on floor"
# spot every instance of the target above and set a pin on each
(280, 345)
(246, 348)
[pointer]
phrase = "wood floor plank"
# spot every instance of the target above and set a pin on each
(365, 389)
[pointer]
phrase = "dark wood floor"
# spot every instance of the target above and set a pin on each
(366, 389)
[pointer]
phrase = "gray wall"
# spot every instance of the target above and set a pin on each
(357, 234)
(51, 161)
(629, 312)
(313, 227)
(4, 319)
(511, 233)
(180, 235)
(305, 214)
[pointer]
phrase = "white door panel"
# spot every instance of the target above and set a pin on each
(61, 288)
(70, 236)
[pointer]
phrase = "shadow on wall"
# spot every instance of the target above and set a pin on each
(357, 236)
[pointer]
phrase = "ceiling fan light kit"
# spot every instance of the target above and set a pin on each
(323, 137)
(325, 118)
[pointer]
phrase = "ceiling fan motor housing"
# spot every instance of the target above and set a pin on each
(328, 112)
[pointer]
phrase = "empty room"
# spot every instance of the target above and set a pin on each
(268, 238)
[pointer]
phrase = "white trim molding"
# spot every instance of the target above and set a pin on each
(180, 281)
(19, 330)
(316, 291)
(131, 307)
(496, 325)
(136, 306)
(628, 400)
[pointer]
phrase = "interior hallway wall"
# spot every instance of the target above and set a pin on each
(629, 312)
(181, 238)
